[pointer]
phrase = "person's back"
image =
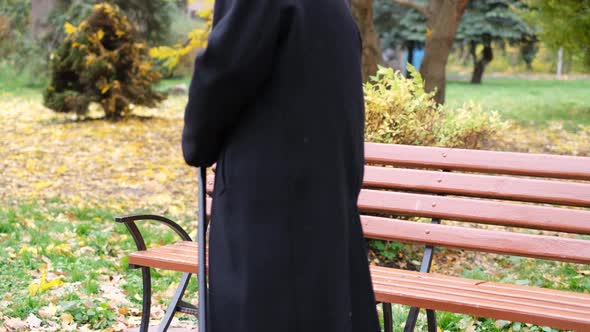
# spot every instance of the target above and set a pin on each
(276, 100)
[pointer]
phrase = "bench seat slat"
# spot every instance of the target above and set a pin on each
(499, 242)
(167, 262)
(500, 187)
(535, 292)
(476, 210)
(511, 302)
(170, 257)
(432, 292)
(541, 165)
(477, 289)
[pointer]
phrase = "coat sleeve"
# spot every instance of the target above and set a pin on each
(235, 64)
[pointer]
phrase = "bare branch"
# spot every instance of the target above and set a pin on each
(413, 5)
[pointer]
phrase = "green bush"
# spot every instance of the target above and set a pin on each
(400, 111)
(101, 62)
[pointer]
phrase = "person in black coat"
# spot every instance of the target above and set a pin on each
(276, 100)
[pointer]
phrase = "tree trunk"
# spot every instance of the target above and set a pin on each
(410, 58)
(442, 22)
(479, 64)
(372, 56)
(40, 10)
(559, 63)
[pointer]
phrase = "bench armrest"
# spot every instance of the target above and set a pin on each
(129, 222)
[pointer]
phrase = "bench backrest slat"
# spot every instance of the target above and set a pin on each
(499, 242)
(534, 191)
(499, 187)
(476, 210)
(541, 165)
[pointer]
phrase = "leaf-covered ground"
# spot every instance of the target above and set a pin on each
(62, 182)
(62, 267)
(132, 163)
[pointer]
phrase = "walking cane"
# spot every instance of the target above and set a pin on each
(202, 245)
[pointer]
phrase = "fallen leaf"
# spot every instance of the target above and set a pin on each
(48, 311)
(67, 318)
(33, 321)
(15, 324)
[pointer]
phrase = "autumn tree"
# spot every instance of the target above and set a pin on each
(564, 23)
(152, 19)
(362, 11)
(442, 19)
(101, 62)
(492, 21)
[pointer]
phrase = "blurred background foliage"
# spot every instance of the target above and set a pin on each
(25, 51)
(500, 36)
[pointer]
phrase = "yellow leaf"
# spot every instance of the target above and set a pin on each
(48, 311)
(33, 289)
(100, 34)
(62, 249)
(90, 58)
(52, 284)
(43, 285)
(26, 248)
(104, 88)
(61, 170)
(67, 318)
(40, 185)
(70, 28)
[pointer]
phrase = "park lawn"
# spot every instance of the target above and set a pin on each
(530, 102)
(57, 213)
(66, 264)
(79, 244)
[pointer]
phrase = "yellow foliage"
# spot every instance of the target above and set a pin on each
(44, 285)
(63, 249)
(400, 111)
(197, 39)
(100, 34)
(70, 28)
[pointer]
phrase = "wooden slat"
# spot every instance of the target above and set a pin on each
(559, 296)
(476, 210)
(536, 246)
(164, 261)
(565, 310)
(516, 297)
(501, 187)
(541, 165)
(181, 256)
(481, 298)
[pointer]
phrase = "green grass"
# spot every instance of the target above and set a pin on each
(19, 83)
(29, 236)
(531, 102)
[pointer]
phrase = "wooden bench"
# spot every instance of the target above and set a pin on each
(523, 201)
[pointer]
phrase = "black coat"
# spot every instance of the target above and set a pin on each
(276, 100)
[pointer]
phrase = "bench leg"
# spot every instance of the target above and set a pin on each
(147, 299)
(431, 316)
(387, 317)
(412, 319)
(186, 277)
